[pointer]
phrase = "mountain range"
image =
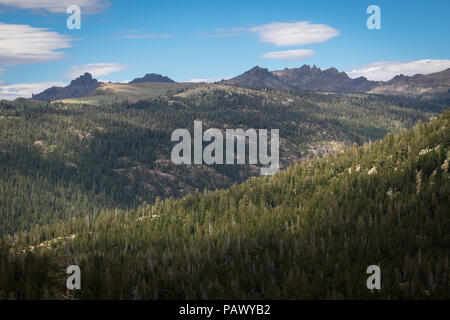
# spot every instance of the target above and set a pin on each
(437, 83)
(85, 86)
(305, 78)
(308, 78)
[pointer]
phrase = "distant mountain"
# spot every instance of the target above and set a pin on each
(79, 87)
(257, 78)
(303, 78)
(418, 85)
(314, 79)
(152, 77)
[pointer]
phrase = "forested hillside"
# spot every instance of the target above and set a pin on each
(307, 232)
(60, 161)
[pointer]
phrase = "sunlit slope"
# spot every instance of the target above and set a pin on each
(118, 92)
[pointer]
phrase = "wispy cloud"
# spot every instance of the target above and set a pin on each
(294, 33)
(285, 34)
(95, 69)
(58, 6)
(290, 55)
(386, 70)
(25, 90)
(23, 44)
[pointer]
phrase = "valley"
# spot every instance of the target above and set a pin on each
(65, 160)
(224, 158)
(307, 232)
(90, 179)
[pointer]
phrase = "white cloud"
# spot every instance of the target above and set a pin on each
(58, 6)
(95, 69)
(295, 33)
(1, 70)
(25, 90)
(290, 55)
(23, 44)
(386, 70)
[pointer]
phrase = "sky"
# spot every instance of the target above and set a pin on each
(207, 40)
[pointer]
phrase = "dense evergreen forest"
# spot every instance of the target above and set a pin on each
(62, 161)
(309, 231)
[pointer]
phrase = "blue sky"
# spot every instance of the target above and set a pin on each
(186, 40)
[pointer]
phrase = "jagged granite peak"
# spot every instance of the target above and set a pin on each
(152, 77)
(303, 78)
(85, 79)
(78, 87)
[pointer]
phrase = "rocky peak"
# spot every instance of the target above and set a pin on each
(152, 77)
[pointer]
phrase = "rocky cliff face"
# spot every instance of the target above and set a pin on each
(79, 87)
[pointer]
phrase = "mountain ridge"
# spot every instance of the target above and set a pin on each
(307, 78)
(436, 83)
(304, 78)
